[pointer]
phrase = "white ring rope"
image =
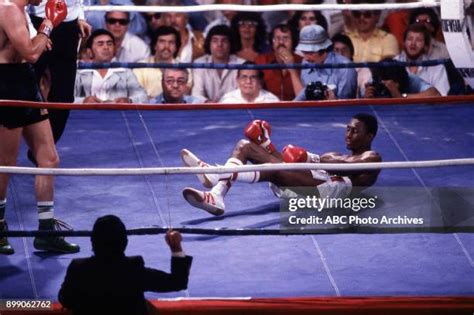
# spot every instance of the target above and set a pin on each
(263, 8)
(238, 169)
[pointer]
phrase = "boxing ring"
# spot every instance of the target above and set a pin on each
(338, 271)
(333, 265)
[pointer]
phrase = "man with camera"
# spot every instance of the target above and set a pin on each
(393, 81)
(326, 83)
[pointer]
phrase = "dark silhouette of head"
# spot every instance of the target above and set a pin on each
(109, 237)
(396, 73)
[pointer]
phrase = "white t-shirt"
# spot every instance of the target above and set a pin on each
(235, 97)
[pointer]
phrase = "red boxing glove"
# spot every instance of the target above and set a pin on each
(294, 154)
(259, 131)
(56, 11)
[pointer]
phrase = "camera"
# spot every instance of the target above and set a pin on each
(314, 91)
(380, 90)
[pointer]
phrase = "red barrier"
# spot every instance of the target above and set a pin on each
(316, 305)
(440, 100)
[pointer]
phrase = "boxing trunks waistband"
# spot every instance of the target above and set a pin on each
(18, 82)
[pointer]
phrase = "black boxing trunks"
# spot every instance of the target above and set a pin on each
(18, 82)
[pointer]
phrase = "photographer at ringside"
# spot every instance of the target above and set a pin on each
(395, 82)
(327, 83)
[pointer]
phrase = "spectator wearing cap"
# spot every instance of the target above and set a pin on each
(285, 83)
(316, 47)
(129, 47)
(371, 44)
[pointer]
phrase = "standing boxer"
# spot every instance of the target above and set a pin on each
(17, 82)
(61, 60)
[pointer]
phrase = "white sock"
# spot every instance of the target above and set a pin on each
(246, 177)
(45, 210)
(222, 187)
(225, 182)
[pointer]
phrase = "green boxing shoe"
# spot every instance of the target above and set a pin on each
(5, 247)
(54, 243)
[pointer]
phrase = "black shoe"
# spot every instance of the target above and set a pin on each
(31, 157)
(55, 243)
(5, 247)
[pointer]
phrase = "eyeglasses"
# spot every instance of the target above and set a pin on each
(365, 14)
(248, 23)
(277, 39)
(112, 21)
(171, 82)
(150, 17)
(245, 77)
(423, 20)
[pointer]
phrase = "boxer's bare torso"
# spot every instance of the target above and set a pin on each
(358, 178)
(15, 43)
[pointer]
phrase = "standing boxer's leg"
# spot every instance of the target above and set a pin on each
(40, 141)
(9, 147)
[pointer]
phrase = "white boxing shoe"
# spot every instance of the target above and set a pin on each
(206, 200)
(191, 160)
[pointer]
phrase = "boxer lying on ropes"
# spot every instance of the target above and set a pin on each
(259, 149)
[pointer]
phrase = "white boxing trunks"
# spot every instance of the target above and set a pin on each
(333, 187)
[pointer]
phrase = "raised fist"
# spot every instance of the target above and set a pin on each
(173, 239)
(259, 132)
(56, 11)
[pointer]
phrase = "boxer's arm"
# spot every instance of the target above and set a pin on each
(17, 32)
(334, 157)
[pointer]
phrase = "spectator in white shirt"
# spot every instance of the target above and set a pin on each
(417, 41)
(116, 85)
(212, 84)
(130, 48)
(250, 89)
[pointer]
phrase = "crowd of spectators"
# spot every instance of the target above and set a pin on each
(285, 38)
